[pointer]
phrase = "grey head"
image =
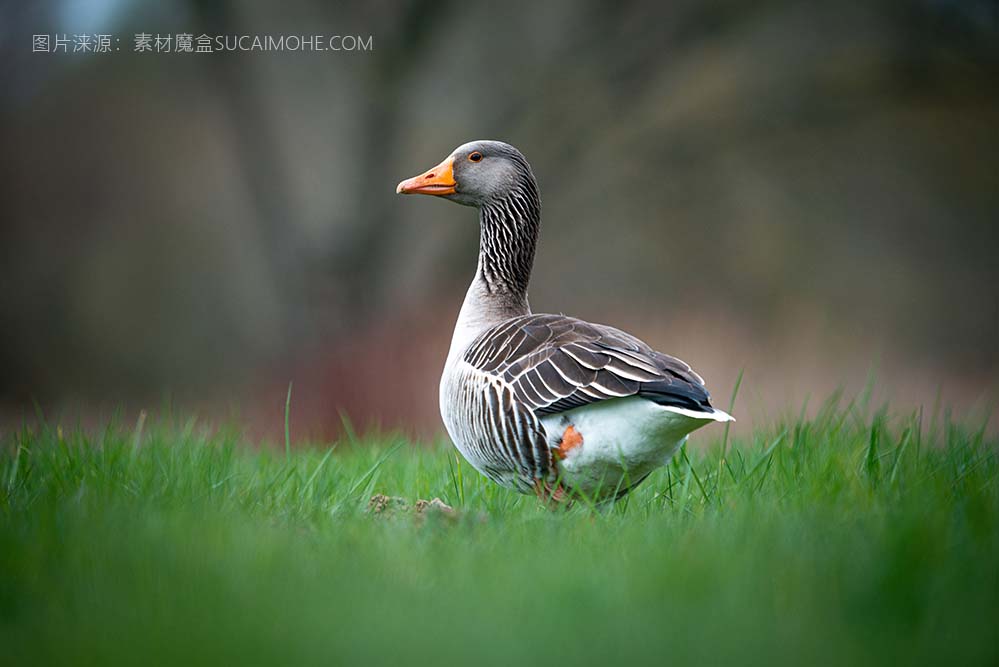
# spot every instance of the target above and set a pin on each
(480, 173)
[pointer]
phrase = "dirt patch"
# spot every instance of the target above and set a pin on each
(390, 506)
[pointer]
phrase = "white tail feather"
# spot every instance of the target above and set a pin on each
(717, 415)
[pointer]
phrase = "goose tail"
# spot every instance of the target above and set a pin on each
(712, 414)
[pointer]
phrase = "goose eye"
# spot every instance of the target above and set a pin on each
(475, 157)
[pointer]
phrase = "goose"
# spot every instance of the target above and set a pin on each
(544, 403)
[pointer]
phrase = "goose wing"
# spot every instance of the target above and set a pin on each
(554, 363)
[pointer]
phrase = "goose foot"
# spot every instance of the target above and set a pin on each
(552, 498)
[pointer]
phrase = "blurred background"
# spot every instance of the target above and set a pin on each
(806, 191)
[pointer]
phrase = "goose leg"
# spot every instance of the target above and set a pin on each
(552, 498)
(570, 439)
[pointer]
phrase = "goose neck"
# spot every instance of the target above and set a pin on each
(507, 241)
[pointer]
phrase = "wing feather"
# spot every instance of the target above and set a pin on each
(554, 363)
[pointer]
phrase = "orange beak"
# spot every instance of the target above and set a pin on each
(437, 181)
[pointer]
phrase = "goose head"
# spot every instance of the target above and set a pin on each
(479, 174)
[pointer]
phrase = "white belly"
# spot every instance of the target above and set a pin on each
(623, 440)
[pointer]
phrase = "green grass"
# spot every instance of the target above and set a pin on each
(845, 539)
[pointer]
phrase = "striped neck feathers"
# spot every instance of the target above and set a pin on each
(508, 236)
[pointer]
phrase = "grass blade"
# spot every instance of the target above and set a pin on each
(287, 427)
